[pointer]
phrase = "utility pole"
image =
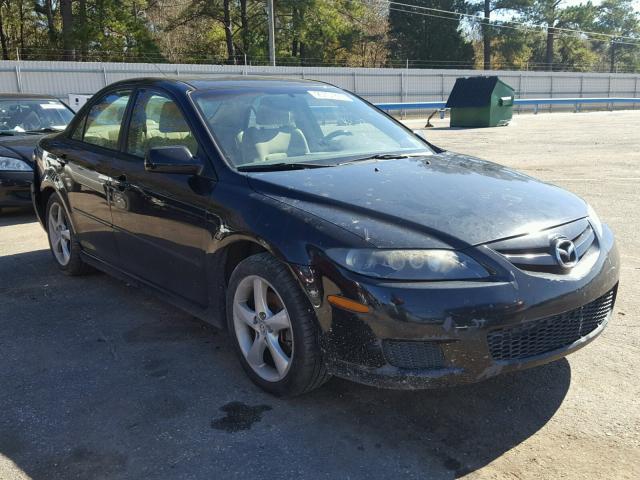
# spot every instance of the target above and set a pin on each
(612, 68)
(486, 35)
(272, 33)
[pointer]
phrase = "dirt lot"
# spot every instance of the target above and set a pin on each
(100, 381)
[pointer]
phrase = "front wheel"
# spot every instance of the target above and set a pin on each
(273, 327)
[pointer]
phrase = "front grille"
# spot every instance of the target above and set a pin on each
(533, 252)
(548, 334)
(414, 355)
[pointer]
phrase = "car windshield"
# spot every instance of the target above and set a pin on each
(316, 125)
(20, 115)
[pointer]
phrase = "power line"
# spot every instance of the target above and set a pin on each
(515, 25)
(514, 22)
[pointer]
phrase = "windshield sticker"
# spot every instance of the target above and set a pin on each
(323, 95)
(52, 106)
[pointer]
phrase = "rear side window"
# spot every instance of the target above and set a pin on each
(101, 126)
(158, 122)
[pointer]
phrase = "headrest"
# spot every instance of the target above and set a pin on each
(272, 112)
(171, 119)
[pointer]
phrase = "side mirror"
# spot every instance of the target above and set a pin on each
(172, 159)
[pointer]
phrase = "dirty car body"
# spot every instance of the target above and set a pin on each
(460, 268)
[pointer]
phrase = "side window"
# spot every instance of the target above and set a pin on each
(102, 125)
(158, 122)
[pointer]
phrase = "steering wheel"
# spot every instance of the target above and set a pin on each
(336, 133)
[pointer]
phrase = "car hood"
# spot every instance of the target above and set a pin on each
(19, 146)
(443, 200)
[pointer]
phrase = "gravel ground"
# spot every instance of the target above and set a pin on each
(101, 381)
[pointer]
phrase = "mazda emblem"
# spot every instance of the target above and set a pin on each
(564, 251)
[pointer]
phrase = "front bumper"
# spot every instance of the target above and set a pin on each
(15, 189)
(456, 318)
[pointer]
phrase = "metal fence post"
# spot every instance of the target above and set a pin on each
(104, 74)
(18, 78)
(551, 91)
(519, 90)
(355, 83)
(402, 98)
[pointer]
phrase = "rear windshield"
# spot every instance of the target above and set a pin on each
(300, 124)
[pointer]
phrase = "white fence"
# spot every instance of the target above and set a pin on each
(374, 84)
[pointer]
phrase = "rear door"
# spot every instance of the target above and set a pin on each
(88, 157)
(159, 218)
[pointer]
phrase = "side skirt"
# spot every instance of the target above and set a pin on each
(204, 314)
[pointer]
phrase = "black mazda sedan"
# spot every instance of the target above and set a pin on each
(24, 119)
(327, 238)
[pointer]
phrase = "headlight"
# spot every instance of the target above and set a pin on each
(14, 164)
(409, 264)
(594, 220)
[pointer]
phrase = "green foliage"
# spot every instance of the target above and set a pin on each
(365, 33)
(430, 40)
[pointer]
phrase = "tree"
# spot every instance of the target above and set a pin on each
(67, 28)
(429, 40)
(556, 17)
(487, 7)
(618, 18)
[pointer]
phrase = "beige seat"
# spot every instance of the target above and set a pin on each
(172, 129)
(275, 136)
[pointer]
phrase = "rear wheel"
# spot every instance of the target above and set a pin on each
(62, 239)
(273, 327)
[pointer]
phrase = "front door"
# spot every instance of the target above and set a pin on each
(159, 218)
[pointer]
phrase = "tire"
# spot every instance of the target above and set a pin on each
(63, 242)
(297, 341)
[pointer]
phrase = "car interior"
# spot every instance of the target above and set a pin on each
(271, 128)
(158, 122)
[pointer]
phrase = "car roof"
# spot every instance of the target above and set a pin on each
(204, 83)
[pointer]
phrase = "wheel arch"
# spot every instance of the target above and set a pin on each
(228, 256)
(46, 191)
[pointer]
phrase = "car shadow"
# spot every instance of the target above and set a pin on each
(464, 427)
(101, 380)
(16, 216)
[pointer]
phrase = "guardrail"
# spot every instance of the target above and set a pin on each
(535, 102)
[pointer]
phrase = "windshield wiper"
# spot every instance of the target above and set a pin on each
(378, 156)
(274, 167)
(44, 130)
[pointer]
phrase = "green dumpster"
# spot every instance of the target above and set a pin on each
(480, 102)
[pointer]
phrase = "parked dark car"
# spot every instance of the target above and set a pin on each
(327, 238)
(24, 119)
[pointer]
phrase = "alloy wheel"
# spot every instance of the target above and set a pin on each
(263, 328)
(59, 234)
